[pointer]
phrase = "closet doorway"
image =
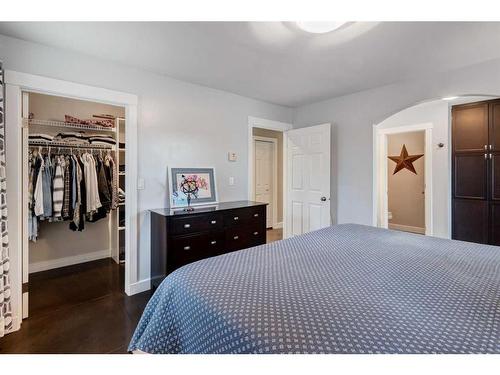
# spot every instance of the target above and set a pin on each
(266, 176)
(73, 201)
(403, 171)
(266, 172)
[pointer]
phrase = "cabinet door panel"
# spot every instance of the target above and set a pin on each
(495, 224)
(470, 127)
(470, 176)
(495, 125)
(470, 220)
(495, 176)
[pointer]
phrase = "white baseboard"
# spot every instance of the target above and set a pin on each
(68, 261)
(407, 228)
(278, 225)
(139, 287)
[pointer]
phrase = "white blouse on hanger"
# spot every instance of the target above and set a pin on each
(92, 190)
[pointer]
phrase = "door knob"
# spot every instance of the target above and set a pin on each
(323, 199)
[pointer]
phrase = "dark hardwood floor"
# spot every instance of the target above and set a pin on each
(274, 235)
(78, 309)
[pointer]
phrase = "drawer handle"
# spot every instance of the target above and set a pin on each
(187, 225)
(213, 222)
(255, 233)
(236, 218)
(255, 215)
(213, 242)
(235, 237)
(187, 247)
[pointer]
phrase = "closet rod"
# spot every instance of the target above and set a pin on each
(65, 145)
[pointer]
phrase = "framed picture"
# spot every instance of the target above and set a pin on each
(202, 180)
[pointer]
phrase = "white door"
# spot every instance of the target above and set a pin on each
(264, 167)
(308, 179)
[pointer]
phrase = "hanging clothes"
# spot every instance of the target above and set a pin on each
(103, 190)
(33, 159)
(80, 206)
(66, 208)
(92, 189)
(47, 177)
(38, 191)
(76, 188)
(58, 187)
(112, 178)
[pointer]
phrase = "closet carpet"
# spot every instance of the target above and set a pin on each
(78, 309)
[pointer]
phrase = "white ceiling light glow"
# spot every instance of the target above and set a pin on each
(320, 27)
(450, 98)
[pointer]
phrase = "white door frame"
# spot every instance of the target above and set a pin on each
(256, 122)
(274, 141)
(380, 198)
(16, 83)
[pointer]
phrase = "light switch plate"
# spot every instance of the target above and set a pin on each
(140, 184)
(231, 181)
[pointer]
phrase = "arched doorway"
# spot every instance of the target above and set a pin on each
(434, 118)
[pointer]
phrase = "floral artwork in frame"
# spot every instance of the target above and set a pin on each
(192, 186)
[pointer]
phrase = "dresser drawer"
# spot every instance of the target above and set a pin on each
(250, 215)
(196, 223)
(243, 236)
(188, 249)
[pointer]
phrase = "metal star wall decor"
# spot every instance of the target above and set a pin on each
(405, 161)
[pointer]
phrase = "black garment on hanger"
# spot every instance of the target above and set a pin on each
(83, 198)
(104, 194)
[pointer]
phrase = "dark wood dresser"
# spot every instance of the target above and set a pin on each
(180, 237)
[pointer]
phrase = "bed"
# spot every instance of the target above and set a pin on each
(343, 289)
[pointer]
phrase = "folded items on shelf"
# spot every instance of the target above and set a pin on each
(40, 137)
(100, 122)
(105, 116)
(102, 139)
(72, 137)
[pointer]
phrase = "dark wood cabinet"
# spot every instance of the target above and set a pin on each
(470, 171)
(470, 127)
(476, 172)
(470, 220)
(180, 237)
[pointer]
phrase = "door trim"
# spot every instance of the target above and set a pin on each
(274, 141)
(380, 202)
(16, 83)
(256, 122)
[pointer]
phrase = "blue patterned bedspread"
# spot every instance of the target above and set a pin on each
(342, 289)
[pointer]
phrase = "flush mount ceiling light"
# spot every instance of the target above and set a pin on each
(319, 27)
(450, 98)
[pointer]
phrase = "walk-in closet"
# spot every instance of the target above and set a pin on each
(74, 201)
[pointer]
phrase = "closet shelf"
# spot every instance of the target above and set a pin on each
(67, 145)
(67, 125)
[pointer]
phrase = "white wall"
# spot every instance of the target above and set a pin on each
(353, 117)
(179, 124)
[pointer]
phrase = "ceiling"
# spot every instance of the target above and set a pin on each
(275, 61)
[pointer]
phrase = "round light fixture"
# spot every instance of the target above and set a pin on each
(319, 27)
